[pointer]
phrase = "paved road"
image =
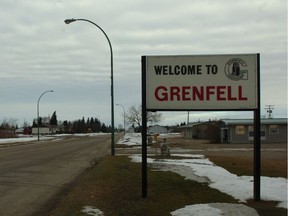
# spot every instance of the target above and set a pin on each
(31, 174)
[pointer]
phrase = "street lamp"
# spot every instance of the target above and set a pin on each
(124, 116)
(68, 21)
(38, 109)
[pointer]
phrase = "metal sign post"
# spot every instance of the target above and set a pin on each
(144, 130)
(257, 140)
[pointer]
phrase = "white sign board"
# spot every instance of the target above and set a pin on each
(202, 82)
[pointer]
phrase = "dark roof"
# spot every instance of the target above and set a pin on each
(190, 125)
(250, 121)
(237, 122)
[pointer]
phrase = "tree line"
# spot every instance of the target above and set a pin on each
(90, 125)
(133, 118)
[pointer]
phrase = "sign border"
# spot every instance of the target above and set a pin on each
(144, 83)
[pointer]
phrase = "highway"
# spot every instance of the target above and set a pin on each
(32, 174)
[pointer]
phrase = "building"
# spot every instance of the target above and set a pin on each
(158, 129)
(44, 130)
(202, 130)
(7, 132)
(23, 131)
(237, 130)
(242, 130)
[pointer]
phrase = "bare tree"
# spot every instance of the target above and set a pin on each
(9, 123)
(154, 117)
(134, 116)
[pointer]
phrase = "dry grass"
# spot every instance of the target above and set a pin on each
(114, 186)
(244, 166)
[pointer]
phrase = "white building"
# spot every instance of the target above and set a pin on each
(158, 129)
(44, 130)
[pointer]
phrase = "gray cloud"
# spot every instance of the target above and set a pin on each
(39, 52)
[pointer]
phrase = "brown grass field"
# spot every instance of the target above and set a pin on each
(114, 184)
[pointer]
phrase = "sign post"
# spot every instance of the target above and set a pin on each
(144, 131)
(257, 141)
(202, 83)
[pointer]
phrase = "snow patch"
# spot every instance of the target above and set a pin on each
(92, 211)
(215, 209)
(131, 139)
(200, 209)
(240, 187)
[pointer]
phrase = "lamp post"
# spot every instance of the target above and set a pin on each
(38, 109)
(68, 21)
(124, 116)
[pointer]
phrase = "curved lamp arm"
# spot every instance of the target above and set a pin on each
(38, 110)
(68, 21)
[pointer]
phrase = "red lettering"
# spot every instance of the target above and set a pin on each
(198, 94)
(209, 91)
(240, 96)
(175, 91)
(220, 92)
(185, 93)
(230, 98)
(161, 93)
(201, 93)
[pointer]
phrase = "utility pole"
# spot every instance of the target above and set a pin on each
(269, 109)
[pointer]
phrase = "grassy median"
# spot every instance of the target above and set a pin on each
(113, 185)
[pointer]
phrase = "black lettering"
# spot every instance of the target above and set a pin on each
(212, 69)
(165, 70)
(191, 69)
(199, 69)
(183, 70)
(177, 70)
(158, 70)
(170, 70)
(180, 69)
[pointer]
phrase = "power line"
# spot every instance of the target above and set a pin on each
(269, 109)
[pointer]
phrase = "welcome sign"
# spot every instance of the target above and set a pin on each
(202, 82)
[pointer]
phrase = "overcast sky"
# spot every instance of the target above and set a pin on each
(40, 52)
